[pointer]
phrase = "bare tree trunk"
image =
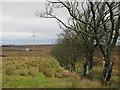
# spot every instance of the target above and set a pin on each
(89, 69)
(73, 64)
(107, 69)
(84, 68)
(73, 67)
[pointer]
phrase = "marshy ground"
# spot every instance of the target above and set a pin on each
(37, 69)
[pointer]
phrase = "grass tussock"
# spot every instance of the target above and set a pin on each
(24, 72)
(48, 73)
(42, 71)
(44, 68)
(33, 71)
(10, 70)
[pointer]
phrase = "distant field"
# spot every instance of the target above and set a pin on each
(37, 51)
(44, 51)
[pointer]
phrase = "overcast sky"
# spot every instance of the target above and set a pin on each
(19, 22)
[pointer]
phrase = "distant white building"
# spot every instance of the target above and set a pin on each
(26, 49)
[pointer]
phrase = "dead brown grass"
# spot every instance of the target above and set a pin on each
(44, 68)
(10, 70)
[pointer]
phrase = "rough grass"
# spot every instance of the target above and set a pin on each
(26, 70)
(36, 72)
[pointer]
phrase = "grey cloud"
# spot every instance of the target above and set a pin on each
(26, 25)
(19, 21)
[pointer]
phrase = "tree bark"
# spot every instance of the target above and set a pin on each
(107, 69)
(84, 68)
(89, 69)
(88, 63)
(73, 67)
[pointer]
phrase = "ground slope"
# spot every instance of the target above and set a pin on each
(36, 72)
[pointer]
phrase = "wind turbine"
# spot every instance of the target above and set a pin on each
(53, 41)
(34, 35)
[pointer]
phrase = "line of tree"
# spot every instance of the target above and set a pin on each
(98, 25)
(68, 49)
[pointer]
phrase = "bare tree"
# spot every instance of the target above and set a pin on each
(87, 38)
(81, 29)
(108, 19)
(104, 25)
